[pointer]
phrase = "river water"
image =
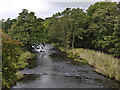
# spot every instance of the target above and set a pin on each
(52, 69)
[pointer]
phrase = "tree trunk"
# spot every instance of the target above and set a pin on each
(73, 41)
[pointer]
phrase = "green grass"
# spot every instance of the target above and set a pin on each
(19, 75)
(22, 61)
(103, 63)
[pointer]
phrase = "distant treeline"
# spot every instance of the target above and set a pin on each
(98, 28)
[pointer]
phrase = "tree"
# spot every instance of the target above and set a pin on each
(67, 25)
(6, 25)
(78, 21)
(28, 28)
(103, 26)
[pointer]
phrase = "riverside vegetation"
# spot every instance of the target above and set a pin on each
(14, 59)
(96, 29)
(103, 63)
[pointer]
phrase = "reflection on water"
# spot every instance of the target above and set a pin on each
(53, 69)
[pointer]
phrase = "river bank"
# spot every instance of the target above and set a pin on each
(103, 63)
(53, 69)
(20, 65)
(14, 59)
(23, 62)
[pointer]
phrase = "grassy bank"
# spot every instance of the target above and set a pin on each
(103, 63)
(23, 62)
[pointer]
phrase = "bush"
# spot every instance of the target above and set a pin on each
(14, 59)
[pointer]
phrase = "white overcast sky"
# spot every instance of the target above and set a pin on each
(42, 8)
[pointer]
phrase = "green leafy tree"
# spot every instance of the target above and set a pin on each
(67, 25)
(104, 16)
(6, 25)
(28, 29)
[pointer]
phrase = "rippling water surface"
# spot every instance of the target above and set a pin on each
(52, 69)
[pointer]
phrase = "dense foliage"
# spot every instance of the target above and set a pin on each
(10, 55)
(66, 26)
(104, 27)
(26, 28)
(97, 28)
(13, 59)
(0, 59)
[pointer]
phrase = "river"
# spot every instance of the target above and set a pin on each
(53, 69)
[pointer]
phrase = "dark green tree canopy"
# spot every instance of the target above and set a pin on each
(28, 28)
(98, 28)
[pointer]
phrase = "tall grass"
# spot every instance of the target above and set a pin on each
(103, 63)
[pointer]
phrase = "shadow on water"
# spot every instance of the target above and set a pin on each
(32, 64)
(54, 70)
(29, 78)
